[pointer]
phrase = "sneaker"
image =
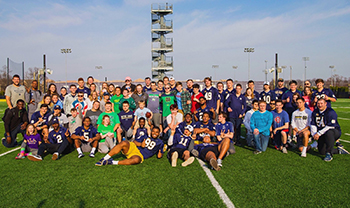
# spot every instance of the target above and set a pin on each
(92, 155)
(174, 159)
(284, 150)
(219, 162)
(342, 150)
(295, 138)
(195, 152)
(189, 161)
(256, 152)
(55, 156)
(338, 144)
(104, 162)
(214, 164)
(314, 145)
(35, 157)
(20, 156)
(328, 157)
(303, 154)
(81, 155)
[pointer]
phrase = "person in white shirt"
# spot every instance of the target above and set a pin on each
(301, 119)
(246, 122)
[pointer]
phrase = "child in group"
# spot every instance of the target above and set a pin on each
(141, 113)
(30, 143)
(141, 129)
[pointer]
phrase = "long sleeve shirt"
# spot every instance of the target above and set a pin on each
(262, 122)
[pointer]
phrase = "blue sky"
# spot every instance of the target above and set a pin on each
(116, 35)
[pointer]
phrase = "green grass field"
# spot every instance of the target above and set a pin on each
(271, 179)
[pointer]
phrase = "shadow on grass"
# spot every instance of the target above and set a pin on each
(41, 203)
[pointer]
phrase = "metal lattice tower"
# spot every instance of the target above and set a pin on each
(161, 63)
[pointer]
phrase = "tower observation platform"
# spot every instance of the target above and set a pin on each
(161, 46)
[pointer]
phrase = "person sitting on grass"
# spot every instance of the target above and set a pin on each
(39, 120)
(280, 127)
(86, 138)
(301, 120)
(141, 113)
(108, 135)
(179, 144)
(172, 121)
(260, 123)
(137, 151)
(224, 129)
(31, 142)
(141, 130)
(15, 121)
(204, 128)
(56, 143)
(212, 153)
(326, 130)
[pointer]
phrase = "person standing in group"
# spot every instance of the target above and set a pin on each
(81, 88)
(153, 104)
(33, 97)
(69, 99)
(195, 98)
(14, 92)
(115, 100)
(147, 86)
(139, 95)
(189, 84)
(281, 89)
(322, 92)
(183, 99)
(212, 97)
(166, 100)
(128, 83)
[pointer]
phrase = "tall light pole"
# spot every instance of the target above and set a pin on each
(98, 75)
(332, 68)
(290, 73)
(215, 67)
(65, 51)
(305, 59)
(248, 50)
(234, 72)
(283, 69)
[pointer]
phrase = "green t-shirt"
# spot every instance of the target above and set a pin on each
(106, 129)
(167, 100)
(115, 100)
(131, 102)
(114, 118)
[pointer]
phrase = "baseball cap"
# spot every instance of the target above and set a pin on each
(55, 120)
(57, 107)
(105, 93)
(172, 78)
(127, 78)
(266, 83)
(280, 80)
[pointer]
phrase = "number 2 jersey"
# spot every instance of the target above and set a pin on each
(152, 146)
(321, 122)
(58, 137)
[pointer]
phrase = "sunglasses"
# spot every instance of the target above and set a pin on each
(80, 95)
(167, 88)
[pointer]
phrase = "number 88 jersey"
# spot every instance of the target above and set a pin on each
(152, 146)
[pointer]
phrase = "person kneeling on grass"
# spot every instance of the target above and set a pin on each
(212, 153)
(280, 127)
(56, 143)
(178, 144)
(31, 142)
(86, 138)
(108, 134)
(136, 151)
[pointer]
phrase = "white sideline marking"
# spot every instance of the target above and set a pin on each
(5, 153)
(347, 134)
(344, 118)
(216, 185)
(1, 122)
(346, 141)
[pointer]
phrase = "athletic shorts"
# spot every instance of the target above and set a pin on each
(133, 150)
(180, 151)
(214, 149)
(300, 142)
(86, 147)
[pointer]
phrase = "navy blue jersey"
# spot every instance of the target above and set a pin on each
(221, 97)
(126, 119)
(36, 116)
(256, 95)
(145, 88)
(200, 125)
(152, 146)
(324, 92)
(140, 132)
(180, 129)
(181, 141)
(219, 127)
(227, 93)
(200, 112)
(212, 96)
(57, 137)
(237, 104)
(85, 90)
(279, 92)
(267, 97)
(86, 133)
(326, 119)
(289, 106)
(202, 146)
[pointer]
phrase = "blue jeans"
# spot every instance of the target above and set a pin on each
(250, 139)
(261, 142)
(237, 122)
(13, 135)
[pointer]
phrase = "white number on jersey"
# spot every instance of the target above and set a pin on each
(320, 122)
(59, 139)
(86, 136)
(208, 95)
(183, 141)
(150, 144)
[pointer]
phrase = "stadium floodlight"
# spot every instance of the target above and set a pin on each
(305, 59)
(234, 72)
(332, 69)
(249, 50)
(49, 71)
(215, 66)
(65, 51)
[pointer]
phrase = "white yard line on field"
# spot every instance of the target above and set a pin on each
(346, 141)
(216, 185)
(5, 153)
(348, 119)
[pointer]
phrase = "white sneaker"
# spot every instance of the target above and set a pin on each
(189, 161)
(55, 156)
(284, 150)
(81, 155)
(92, 155)
(303, 154)
(174, 159)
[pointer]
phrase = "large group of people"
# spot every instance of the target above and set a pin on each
(164, 116)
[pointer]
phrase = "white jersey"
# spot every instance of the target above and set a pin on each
(246, 120)
(301, 119)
